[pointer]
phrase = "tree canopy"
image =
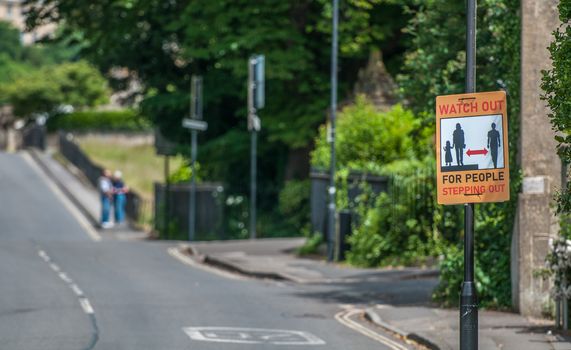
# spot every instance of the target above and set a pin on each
(44, 90)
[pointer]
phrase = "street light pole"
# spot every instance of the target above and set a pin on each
(333, 114)
(468, 297)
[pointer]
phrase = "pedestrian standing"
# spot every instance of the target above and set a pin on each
(106, 194)
(119, 197)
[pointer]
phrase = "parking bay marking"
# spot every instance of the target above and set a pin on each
(238, 335)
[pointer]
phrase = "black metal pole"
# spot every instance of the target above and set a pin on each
(253, 179)
(192, 217)
(468, 297)
(253, 148)
(333, 115)
(167, 199)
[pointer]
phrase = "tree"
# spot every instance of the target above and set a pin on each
(557, 87)
(46, 89)
(10, 41)
(163, 43)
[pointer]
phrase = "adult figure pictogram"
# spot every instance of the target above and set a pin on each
(459, 144)
(494, 143)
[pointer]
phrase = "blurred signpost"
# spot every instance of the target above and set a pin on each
(164, 147)
(470, 124)
(195, 124)
(256, 101)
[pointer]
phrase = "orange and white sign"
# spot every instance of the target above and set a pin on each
(472, 158)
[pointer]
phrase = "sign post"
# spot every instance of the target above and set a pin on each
(195, 124)
(165, 148)
(256, 101)
(472, 161)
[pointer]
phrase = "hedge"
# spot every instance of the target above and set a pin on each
(123, 120)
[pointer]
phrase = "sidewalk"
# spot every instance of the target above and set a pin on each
(82, 194)
(398, 299)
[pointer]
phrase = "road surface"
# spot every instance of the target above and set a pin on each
(62, 287)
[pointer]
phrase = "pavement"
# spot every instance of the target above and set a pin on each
(81, 193)
(402, 309)
(111, 293)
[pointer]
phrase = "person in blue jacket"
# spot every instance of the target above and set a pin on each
(119, 197)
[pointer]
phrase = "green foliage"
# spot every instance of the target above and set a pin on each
(294, 204)
(366, 138)
(557, 87)
(402, 226)
(45, 90)
(184, 174)
(17, 60)
(397, 227)
(435, 65)
(311, 245)
(123, 120)
(10, 44)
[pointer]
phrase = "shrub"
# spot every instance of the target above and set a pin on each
(123, 120)
(367, 139)
(294, 204)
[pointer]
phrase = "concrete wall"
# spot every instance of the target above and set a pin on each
(541, 166)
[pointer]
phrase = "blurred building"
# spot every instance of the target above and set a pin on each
(13, 11)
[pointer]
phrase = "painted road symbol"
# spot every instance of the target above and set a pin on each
(472, 148)
(252, 336)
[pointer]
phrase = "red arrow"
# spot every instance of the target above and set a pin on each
(477, 151)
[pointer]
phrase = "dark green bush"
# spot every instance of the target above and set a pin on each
(123, 120)
(294, 204)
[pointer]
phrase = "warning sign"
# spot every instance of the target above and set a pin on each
(472, 148)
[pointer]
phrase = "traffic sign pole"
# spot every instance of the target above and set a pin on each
(192, 216)
(195, 124)
(468, 296)
(256, 101)
(253, 148)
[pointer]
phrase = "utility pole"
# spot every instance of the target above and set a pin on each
(468, 297)
(333, 116)
(195, 124)
(256, 101)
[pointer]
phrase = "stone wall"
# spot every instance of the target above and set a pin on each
(535, 222)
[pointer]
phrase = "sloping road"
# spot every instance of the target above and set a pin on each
(62, 288)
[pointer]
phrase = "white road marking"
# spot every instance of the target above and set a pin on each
(175, 253)
(239, 335)
(44, 256)
(344, 317)
(86, 306)
(91, 232)
(55, 267)
(83, 301)
(64, 278)
(76, 290)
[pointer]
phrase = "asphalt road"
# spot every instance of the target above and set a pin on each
(61, 289)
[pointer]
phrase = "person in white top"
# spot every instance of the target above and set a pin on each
(105, 187)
